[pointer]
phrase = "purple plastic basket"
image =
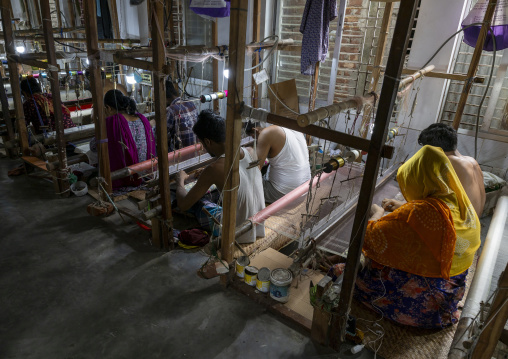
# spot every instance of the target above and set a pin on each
(212, 12)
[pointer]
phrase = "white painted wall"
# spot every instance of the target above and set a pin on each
(437, 20)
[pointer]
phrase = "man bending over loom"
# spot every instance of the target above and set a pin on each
(289, 160)
(467, 169)
(211, 131)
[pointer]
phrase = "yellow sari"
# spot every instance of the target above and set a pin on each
(429, 173)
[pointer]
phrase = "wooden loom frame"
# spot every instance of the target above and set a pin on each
(56, 169)
(375, 145)
(62, 186)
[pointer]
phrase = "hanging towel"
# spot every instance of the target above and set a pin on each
(315, 25)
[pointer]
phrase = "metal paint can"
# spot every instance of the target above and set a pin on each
(280, 281)
(241, 263)
(263, 280)
(251, 274)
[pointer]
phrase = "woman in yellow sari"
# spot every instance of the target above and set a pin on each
(418, 255)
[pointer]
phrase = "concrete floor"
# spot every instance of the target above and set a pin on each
(75, 286)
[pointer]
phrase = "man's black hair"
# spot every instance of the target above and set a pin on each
(170, 90)
(30, 85)
(210, 125)
(439, 135)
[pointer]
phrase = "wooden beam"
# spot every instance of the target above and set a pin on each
(321, 113)
(113, 9)
(62, 173)
(25, 4)
(313, 95)
(387, 99)
(359, 143)
(256, 37)
(378, 60)
(38, 32)
(475, 60)
(215, 64)
(40, 38)
(72, 9)
(437, 74)
(14, 75)
(22, 59)
(58, 15)
(138, 64)
(237, 39)
(37, 12)
(313, 88)
(410, 79)
(173, 40)
(496, 320)
(158, 78)
(96, 88)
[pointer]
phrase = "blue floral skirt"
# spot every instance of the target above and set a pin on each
(410, 299)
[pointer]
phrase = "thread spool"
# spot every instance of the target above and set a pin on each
(214, 96)
(352, 155)
(35, 76)
(333, 164)
(392, 133)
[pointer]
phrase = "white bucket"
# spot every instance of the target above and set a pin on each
(79, 188)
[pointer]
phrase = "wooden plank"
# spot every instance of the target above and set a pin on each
(376, 72)
(321, 319)
(92, 48)
(35, 162)
(256, 37)
(387, 99)
(496, 320)
(334, 136)
(237, 39)
(63, 171)
(158, 78)
(475, 60)
(215, 64)
(14, 75)
(272, 305)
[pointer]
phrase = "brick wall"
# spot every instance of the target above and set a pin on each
(361, 28)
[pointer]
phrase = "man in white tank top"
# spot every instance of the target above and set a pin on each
(211, 131)
(289, 160)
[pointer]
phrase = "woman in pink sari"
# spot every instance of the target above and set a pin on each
(130, 136)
